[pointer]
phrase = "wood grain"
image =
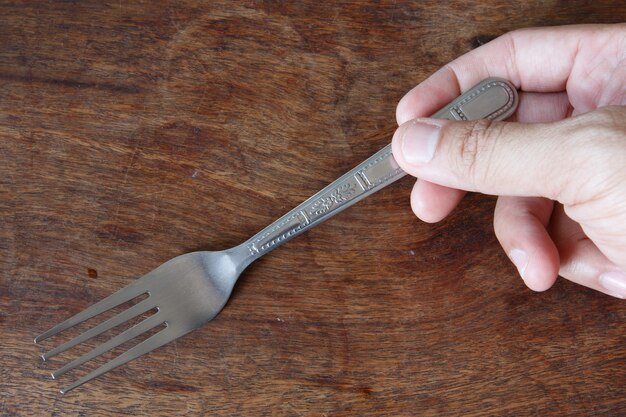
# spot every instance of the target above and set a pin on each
(134, 132)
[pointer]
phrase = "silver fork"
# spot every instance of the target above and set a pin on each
(192, 289)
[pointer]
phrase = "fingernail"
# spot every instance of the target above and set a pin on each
(520, 260)
(615, 283)
(419, 142)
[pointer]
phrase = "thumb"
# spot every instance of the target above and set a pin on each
(564, 161)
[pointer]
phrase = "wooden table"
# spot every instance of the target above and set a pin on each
(132, 133)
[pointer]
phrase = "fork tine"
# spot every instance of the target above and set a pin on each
(123, 337)
(156, 340)
(116, 320)
(125, 294)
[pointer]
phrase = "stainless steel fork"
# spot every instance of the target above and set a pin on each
(191, 289)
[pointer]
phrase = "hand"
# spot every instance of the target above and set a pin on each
(559, 167)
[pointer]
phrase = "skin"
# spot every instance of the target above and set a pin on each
(558, 167)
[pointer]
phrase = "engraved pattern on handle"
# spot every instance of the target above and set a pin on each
(493, 98)
(454, 111)
(374, 173)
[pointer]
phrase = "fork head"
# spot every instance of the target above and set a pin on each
(186, 292)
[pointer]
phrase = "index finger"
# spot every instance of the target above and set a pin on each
(536, 59)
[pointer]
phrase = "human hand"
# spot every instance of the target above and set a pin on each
(559, 167)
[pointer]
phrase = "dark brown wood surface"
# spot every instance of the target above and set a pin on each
(132, 132)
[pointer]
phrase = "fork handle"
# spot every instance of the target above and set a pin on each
(492, 98)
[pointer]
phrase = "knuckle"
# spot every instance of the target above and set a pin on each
(599, 142)
(606, 125)
(475, 149)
